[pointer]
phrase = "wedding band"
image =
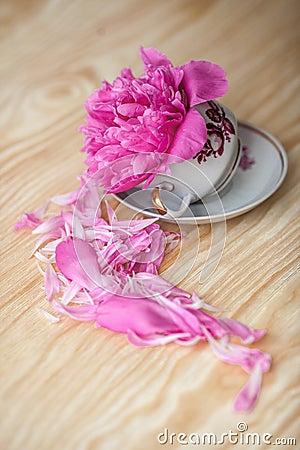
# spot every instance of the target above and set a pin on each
(157, 201)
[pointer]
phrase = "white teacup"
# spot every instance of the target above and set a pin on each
(209, 171)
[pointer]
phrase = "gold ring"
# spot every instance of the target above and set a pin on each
(157, 202)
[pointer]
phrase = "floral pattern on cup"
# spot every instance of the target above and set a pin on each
(219, 129)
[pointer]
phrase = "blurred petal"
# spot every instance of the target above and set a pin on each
(152, 341)
(247, 334)
(249, 393)
(31, 220)
(50, 316)
(66, 199)
(51, 282)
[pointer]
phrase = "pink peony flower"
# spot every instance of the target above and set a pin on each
(137, 126)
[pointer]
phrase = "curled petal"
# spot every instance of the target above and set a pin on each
(83, 313)
(249, 393)
(235, 328)
(31, 220)
(66, 199)
(203, 81)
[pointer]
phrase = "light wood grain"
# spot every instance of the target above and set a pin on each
(69, 386)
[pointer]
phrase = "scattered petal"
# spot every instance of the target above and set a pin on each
(51, 283)
(50, 316)
(248, 395)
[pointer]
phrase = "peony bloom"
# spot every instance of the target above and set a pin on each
(137, 126)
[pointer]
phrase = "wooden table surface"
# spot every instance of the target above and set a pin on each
(69, 386)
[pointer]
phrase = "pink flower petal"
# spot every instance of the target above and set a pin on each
(247, 334)
(249, 393)
(152, 341)
(71, 291)
(78, 262)
(110, 212)
(31, 220)
(66, 199)
(151, 56)
(85, 313)
(245, 357)
(142, 316)
(49, 225)
(203, 81)
(51, 283)
(44, 238)
(190, 137)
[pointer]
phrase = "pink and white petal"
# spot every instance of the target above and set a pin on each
(153, 341)
(31, 220)
(189, 139)
(190, 341)
(40, 211)
(50, 247)
(245, 357)
(44, 238)
(86, 313)
(50, 316)
(38, 255)
(70, 292)
(203, 81)
(42, 272)
(51, 282)
(246, 398)
(67, 199)
(184, 319)
(27, 221)
(110, 213)
(49, 225)
(235, 328)
(78, 229)
(78, 261)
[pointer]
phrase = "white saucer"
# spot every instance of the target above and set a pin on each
(249, 187)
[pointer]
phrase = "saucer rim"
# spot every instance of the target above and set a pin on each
(236, 212)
